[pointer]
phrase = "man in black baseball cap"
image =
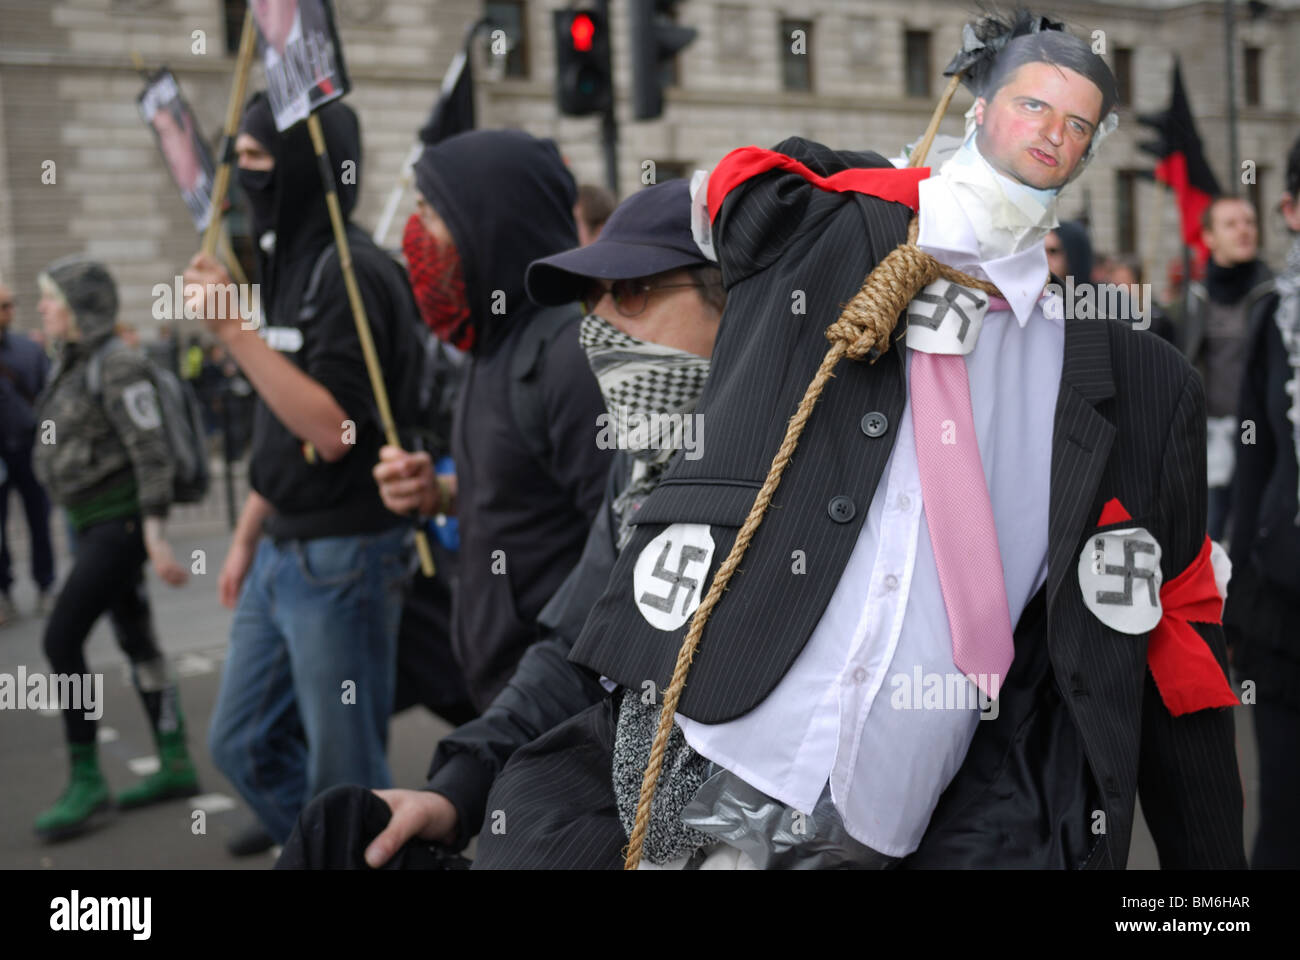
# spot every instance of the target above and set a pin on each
(654, 302)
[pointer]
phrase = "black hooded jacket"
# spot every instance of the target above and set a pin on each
(507, 200)
(313, 498)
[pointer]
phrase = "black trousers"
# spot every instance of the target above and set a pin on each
(1263, 624)
(1277, 732)
(36, 506)
(335, 828)
(107, 577)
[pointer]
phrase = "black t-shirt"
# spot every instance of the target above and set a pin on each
(311, 497)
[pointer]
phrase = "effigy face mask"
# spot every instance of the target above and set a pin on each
(1016, 216)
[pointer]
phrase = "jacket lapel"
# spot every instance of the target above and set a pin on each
(1081, 441)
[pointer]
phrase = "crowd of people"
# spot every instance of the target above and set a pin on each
(870, 547)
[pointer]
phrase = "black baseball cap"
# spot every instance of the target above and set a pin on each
(649, 233)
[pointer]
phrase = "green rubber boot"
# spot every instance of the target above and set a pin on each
(86, 796)
(175, 776)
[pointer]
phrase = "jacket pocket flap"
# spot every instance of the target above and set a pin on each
(721, 501)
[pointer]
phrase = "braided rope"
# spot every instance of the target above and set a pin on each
(862, 331)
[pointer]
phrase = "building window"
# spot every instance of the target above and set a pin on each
(1124, 75)
(796, 54)
(1126, 209)
(862, 41)
(1251, 66)
(234, 23)
(512, 17)
(916, 59)
(732, 32)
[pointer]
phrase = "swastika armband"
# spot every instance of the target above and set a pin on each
(669, 578)
(946, 318)
(1119, 575)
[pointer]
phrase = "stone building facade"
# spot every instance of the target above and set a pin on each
(868, 77)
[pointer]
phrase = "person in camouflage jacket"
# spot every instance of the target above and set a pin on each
(102, 453)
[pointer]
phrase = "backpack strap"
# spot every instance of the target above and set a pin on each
(526, 405)
(307, 310)
(95, 365)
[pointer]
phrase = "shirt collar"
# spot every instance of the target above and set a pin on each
(946, 233)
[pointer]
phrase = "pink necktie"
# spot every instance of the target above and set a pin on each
(960, 517)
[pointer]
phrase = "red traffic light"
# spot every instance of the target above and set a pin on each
(582, 30)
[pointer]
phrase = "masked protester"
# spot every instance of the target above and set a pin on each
(653, 304)
(317, 564)
(109, 464)
(936, 585)
(1263, 611)
(528, 475)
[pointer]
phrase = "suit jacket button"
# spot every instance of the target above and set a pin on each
(875, 424)
(841, 509)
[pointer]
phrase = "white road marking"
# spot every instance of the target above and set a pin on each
(212, 802)
(192, 665)
(143, 766)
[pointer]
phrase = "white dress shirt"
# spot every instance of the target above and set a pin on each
(831, 718)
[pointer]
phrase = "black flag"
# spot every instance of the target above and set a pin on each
(1182, 161)
(454, 111)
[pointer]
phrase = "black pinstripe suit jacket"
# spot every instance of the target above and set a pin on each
(1051, 781)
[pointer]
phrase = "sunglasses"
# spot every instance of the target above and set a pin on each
(630, 296)
(6, 304)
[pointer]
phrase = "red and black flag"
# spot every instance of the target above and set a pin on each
(1182, 163)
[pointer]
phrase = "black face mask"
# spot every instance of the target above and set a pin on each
(259, 187)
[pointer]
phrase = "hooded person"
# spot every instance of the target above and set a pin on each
(924, 563)
(317, 565)
(529, 477)
(108, 462)
(653, 304)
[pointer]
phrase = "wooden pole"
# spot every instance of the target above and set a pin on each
(228, 254)
(359, 312)
(238, 89)
(918, 155)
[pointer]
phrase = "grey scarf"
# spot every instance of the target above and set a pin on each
(639, 380)
(1287, 318)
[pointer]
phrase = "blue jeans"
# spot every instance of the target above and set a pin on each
(308, 684)
(19, 477)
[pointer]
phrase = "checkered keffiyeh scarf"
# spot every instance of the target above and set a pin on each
(642, 380)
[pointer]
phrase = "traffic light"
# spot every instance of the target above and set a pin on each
(656, 39)
(582, 75)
